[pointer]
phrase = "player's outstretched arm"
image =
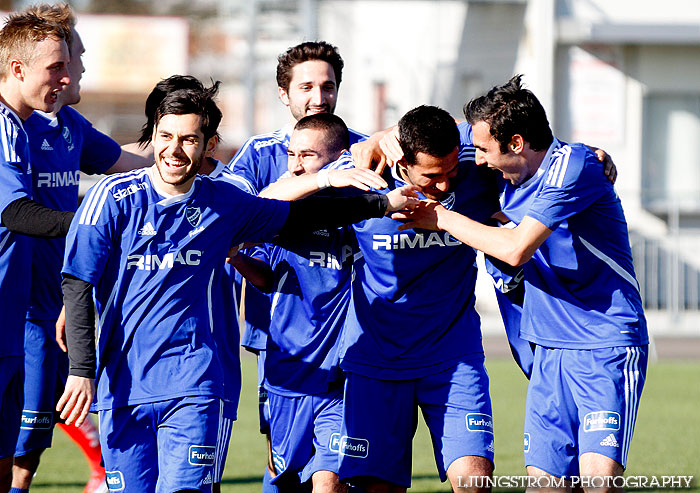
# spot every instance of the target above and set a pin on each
(378, 150)
(299, 187)
(513, 246)
(132, 157)
(314, 213)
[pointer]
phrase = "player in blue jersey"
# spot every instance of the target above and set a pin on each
(308, 78)
(33, 71)
(402, 349)
(310, 281)
(582, 308)
(62, 143)
(228, 338)
(150, 243)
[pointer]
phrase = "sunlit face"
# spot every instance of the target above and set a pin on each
(43, 78)
(312, 89)
(179, 148)
(308, 152)
(431, 174)
(71, 93)
(512, 165)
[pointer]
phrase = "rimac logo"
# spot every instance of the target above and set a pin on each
(115, 480)
(526, 443)
(418, 240)
(330, 261)
(601, 420)
(193, 215)
(167, 261)
(479, 422)
(201, 455)
(130, 190)
(58, 179)
(34, 420)
(69, 138)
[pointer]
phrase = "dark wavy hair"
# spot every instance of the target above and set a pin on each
(511, 109)
(427, 129)
(304, 52)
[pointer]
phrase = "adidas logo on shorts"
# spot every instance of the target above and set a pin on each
(609, 441)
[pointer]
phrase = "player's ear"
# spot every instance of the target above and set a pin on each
(284, 97)
(517, 144)
(211, 146)
(17, 69)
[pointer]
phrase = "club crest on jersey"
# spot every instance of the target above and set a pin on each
(34, 420)
(479, 422)
(201, 455)
(601, 420)
(114, 480)
(69, 139)
(448, 201)
(193, 215)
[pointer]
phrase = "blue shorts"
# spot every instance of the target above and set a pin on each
(581, 401)
(45, 374)
(301, 432)
(381, 416)
(11, 398)
(263, 405)
(162, 446)
(222, 441)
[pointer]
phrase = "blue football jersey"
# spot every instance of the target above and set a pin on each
(15, 249)
(156, 264)
(309, 305)
(262, 160)
(412, 310)
(61, 147)
(580, 291)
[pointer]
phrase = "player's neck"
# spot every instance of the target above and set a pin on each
(11, 97)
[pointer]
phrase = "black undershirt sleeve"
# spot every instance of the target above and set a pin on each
(30, 218)
(314, 213)
(80, 326)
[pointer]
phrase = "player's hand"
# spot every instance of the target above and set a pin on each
(402, 198)
(369, 153)
(425, 215)
(234, 250)
(75, 402)
(61, 330)
(391, 146)
(363, 179)
(609, 167)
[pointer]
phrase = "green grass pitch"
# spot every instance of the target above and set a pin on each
(666, 440)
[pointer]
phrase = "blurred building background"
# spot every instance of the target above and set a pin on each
(623, 75)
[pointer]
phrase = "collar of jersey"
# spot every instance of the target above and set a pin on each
(540, 171)
(170, 199)
(14, 116)
(217, 170)
(52, 118)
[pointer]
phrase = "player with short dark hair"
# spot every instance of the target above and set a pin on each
(582, 307)
(150, 243)
(309, 279)
(402, 350)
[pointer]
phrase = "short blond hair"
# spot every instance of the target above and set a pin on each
(21, 32)
(61, 14)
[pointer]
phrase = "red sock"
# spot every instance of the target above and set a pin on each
(88, 439)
